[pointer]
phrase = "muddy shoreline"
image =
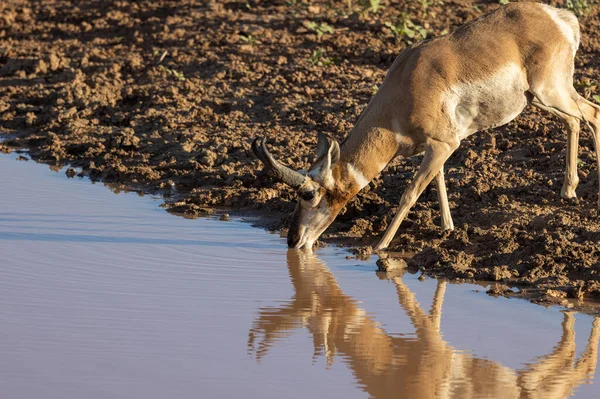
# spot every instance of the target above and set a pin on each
(542, 294)
(166, 98)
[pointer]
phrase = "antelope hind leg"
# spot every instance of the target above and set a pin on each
(591, 113)
(572, 123)
(570, 104)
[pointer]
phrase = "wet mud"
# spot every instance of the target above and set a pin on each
(166, 96)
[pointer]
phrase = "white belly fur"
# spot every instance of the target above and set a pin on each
(495, 101)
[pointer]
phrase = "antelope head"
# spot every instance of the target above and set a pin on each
(321, 194)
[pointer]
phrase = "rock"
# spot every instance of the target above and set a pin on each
(497, 290)
(363, 253)
(387, 264)
(225, 217)
(71, 172)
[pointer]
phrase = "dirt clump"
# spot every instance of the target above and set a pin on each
(166, 96)
(390, 264)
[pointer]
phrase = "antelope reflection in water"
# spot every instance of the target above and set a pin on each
(425, 367)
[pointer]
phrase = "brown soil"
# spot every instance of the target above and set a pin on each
(86, 83)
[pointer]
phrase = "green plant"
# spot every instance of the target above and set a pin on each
(365, 5)
(178, 75)
(374, 89)
(589, 87)
(370, 5)
(425, 4)
(249, 39)
(405, 28)
(318, 58)
(579, 7)
(320, 29)
(503, 1)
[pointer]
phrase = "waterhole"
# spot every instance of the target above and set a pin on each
(109, 296)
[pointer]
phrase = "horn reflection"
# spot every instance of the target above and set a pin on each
(425, 367)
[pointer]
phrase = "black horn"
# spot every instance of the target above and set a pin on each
(277, 170)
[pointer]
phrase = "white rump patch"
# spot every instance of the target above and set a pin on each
(358, 177)
(567, 30)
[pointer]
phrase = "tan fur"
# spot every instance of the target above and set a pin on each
(409, 101)
(442, 90)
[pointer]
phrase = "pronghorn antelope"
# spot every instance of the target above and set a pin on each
(435, 94)
(392, 365)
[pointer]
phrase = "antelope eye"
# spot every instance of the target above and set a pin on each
(307, 195)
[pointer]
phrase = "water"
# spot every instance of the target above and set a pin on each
(108, 296)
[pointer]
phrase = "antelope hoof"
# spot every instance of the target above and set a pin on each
(448, 228)
(568, 192)
(380, 247)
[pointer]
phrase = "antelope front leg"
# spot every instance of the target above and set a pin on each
(436, 306)
(447, 223)
(436, 154)
(427, 326)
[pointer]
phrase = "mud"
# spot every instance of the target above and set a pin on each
(166, 96)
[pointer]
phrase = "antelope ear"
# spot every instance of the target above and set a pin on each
(328, 146)
(328, 155)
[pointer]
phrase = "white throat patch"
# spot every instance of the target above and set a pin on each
(357, 176)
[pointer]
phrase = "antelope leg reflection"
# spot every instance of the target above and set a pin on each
(426, 367)
(436, 306)
(560, 365)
